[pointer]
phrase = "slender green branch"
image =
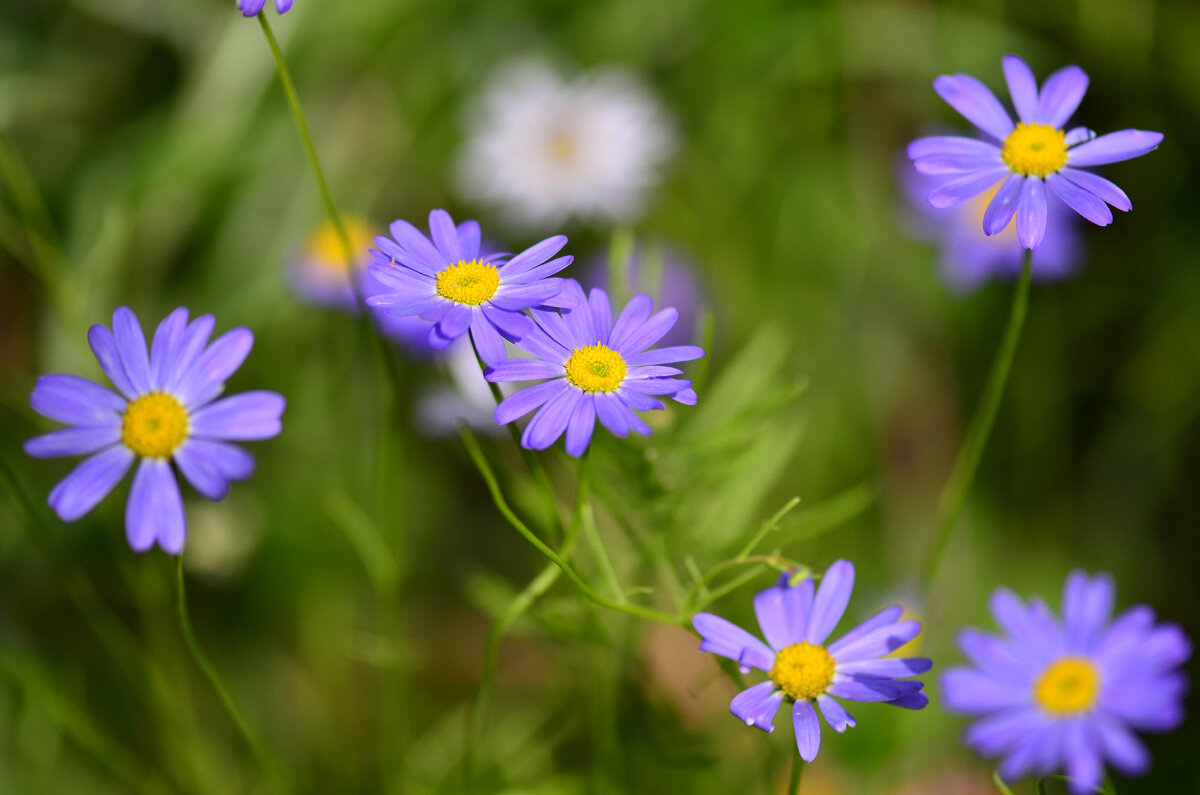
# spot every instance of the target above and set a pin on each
(954, 494)
(767, 527)
(597, 547)
(273, 767)
(485, 469)
(797, 772)
(778, 562)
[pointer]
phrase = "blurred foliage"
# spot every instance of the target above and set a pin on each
(347, 589)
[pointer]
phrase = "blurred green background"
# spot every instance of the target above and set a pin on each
(158, 138)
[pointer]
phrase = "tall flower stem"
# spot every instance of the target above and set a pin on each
(797, 772)
(515, 609)
(489, 477)
(954, 494)
(272, 765)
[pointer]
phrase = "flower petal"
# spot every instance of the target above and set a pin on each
(155, 509)
(487, 340)
(190, 346)
(521, 403)
(445, 235)
(90, 482)
(551, 420)
(835, 714)
(206, 378)
(131, 345)
(75, 400)
(772, 616)
(1061, 94)
(246, 416)
(808, 730)
(1031, 213)
(968, 690)
(730, 641)
(976, 103)
(876, 643)
(618, 417)
(886, 616)
(1003, 205)
(887, 667)
(468, 239)
(581, 426)
(959, 190)
(533, 256)
(1022, 87)
(210, 466)
(957, 164)
(650, 332)
(831, 601)
(1094, 183)
(676, 353)
(1113, 148)
(523, 370)
(79, 440)
(635, 313)
(1084, 202)
(951, 145)
(757, 705)
(167, 338)
(104, 345)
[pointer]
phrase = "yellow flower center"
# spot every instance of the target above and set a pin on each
(596, 368)
(154, 425)
(803, 670)
(1067, 687)
(470, 283)
(324, 245)
(1035, 150)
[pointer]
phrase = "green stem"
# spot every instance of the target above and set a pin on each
(485, 469)
(256, 743)
(797, 772)
(515, 609)
(293, 100)
(954, 495)
(602, 559)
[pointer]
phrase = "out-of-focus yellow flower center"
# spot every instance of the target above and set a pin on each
(803, 670)
(154, 425)
(562, 146)
(470, 283)
(596, 368)
(324, 246)
(1035, 150)
(1068, 686)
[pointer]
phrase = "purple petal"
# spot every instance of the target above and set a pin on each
(521, 403)
(976, 103)
(1078, 135)
(957, 164)
(638, 401)
(525, 296)
(677, 353)
(617, 417)
(403, 304)
(513, 326)
(580, 426)
(163, 350)
(1022, 87)
(1084, 202)
(871, 688)
(798, 601)
(1031, 213)
(875, 643)
(733, 642)
(968, 690)
(206, 378)
(1003, 205)
(445, 235)
(635, 313)
(910, 701)
(104, 345)
(831, 601)
(210, 466)
(601, 312)
(772, 616)
(835, 714)
(959, 190)
(551, 420)
(523, 370)
(75, 400)
(418, 248)
(455, 322)
(650, 332)
(687, 397)
(1113, 148)
(808, 730)
(250, 8)
(888, 667)
(487, 340)
(541, 273)
(191, 345)
(468, 239)
(90, 482)
(283, 6)
(756, 706)
(884, 617)
(993, 656)
(1061, 94)
(1094, 183)
(155, 509)
(533, 256)
(651, 372)
(131, 345)
(1122, 748)
(1083, 762)
(247, 416)
(80, 440)
(994, 734)
(951, 145)
(1086, 607)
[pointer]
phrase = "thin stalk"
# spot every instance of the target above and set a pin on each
(597, 546)
(485, 469)
(797, 772)
(954, 494)
(516, 608)
(273, 767)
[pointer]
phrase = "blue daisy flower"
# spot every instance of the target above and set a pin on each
(167, 410)
(597, 369)
(251, 8)
(1035, 154)
(803, 670)
(448, 283)
(1066, 695)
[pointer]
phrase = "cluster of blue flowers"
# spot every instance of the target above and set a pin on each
(1050, 693)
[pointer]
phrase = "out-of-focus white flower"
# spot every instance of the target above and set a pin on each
(440, 409)
(544, 149)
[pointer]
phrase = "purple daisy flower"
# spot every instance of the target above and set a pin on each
(251, 8)
(803, 670)
(597, 368)
(1064, 695)
(969, 258)
(167, 410)
(448, 283)
(1035, 154)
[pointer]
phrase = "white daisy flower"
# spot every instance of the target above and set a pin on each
(545, 149)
